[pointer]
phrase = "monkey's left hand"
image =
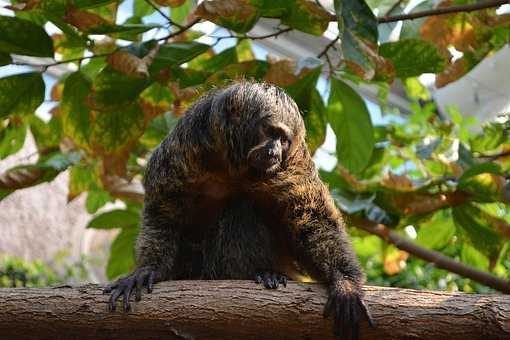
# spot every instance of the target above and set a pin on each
(346, 303)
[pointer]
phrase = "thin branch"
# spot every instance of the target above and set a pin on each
(259, 37)
(392, 8)
(328, 46)
(437, 258)
(444, 10)
(163, 14)
(182, 30)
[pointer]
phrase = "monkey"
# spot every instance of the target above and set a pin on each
(232, 193)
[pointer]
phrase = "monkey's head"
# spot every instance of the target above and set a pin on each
(261, 126)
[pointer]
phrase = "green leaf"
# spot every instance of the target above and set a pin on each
(114, 129)
(357, 28)
(113, 88)
(21, 94)
(471, 256)
(301, 91)
(23, 37)
(315, 121)
(46, 135)
(158, 129)
(45, 170)
(179, 14)
(350, 120)
(12, 138)
(493, 135)
(114, 219)
(81, 178)
(122, 253)
(5, 59)
(477, 230)
(413, 57)
(437, 232)
(175, 54)
(96, 199)
(142, 8)
(484, 182)
(75, 113)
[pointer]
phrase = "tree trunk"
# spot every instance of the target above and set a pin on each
(244, 310)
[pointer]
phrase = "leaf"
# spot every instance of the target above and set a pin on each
(237, 15)
(142, 8)
(24, 37)
(47, 135)
(174, 54)
(45, 170)
(413, 57)
(170, 3)
(130, 64)
(350, 120)
(96, 199)
(357, 28)
(158, 129)
(122, 255)
(156, 99)
(12, 138)
(113, 30)
(477, 230)
(315, 122)
(484, 182)
(21, 94)
(5, 59)
(81, 178)
(493, 135)
(254, 69)
(83, 20)
(471, 256)
(437, 232)
(112, 88)
(179, 14)
(114, 219)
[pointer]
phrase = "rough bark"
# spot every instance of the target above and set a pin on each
(243, 310)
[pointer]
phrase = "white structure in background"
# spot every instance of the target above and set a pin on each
(484, 92)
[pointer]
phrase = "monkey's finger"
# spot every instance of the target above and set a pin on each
(128, 289)
(150, 281)
(328, 307)
(138, 289)
(258, 278)
(367, 313)
(112, 303)
(108, 289)
(283, 280)
(275, 281)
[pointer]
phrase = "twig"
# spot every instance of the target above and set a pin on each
(181, 30)
(259, 37)
(437, 258)
(163, 14)
(443, 10)
(328, 46)
(392, 8)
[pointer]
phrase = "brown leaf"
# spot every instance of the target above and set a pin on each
(83, 20)
(18, 178)
(452, 72)
(170, 3)
(56, 91)
(129, 64)
(397, 182)
(213, 9)
(281, 71)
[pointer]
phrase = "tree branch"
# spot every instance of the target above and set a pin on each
(244, 310)
(437, 258)
(259, 37)
(156, 8)
(444, 10)
(327, 47)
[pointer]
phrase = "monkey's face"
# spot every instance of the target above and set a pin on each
(273, 141)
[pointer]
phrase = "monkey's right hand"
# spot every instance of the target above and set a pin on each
(142, 277)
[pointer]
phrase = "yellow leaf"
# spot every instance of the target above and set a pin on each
(170, 3)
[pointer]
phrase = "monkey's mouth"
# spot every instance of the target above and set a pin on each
(267, 165)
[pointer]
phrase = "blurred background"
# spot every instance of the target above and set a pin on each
(407, 120)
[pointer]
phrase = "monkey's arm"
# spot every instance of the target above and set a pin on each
(157, 242)
(324, 249)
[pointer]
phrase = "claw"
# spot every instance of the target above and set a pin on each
(271, 280)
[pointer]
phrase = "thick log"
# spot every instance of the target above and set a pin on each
(243, 310)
